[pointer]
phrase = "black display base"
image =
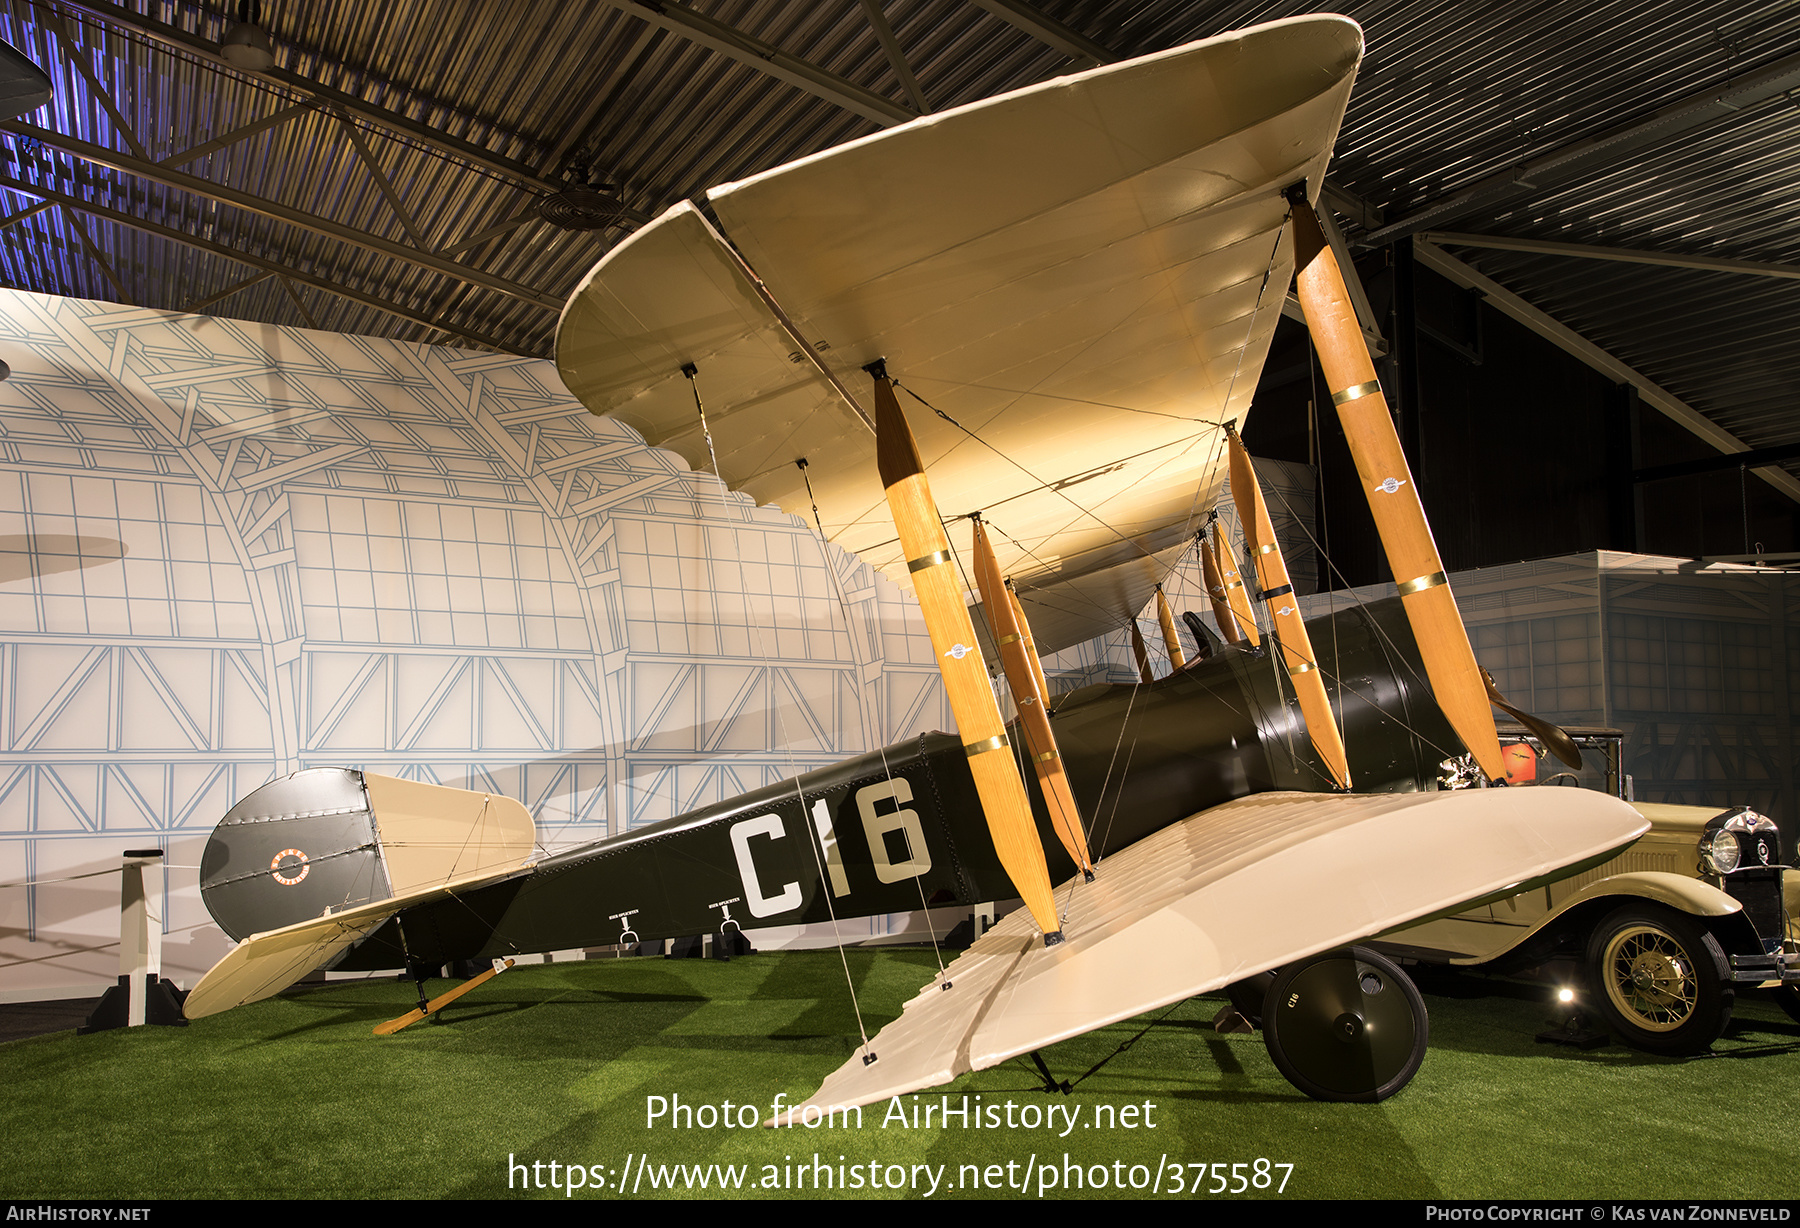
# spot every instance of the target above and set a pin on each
(162, 1005)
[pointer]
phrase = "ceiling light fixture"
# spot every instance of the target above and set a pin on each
(247, 44)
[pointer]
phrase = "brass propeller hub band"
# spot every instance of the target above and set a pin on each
(1422, 583)
(1046, 757)
(1271, 548)
(1301, 669)
(997, 742)
(934, 559)
(1356, 392)
(1007, 639)
(1234, 584)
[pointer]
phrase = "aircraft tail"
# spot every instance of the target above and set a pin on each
(327, 840)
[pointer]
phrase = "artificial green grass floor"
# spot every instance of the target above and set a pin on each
(294, 1097)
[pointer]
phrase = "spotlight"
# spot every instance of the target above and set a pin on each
(1573, 1028)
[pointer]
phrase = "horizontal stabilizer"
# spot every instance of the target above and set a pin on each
(1232, 891)
(267, 963)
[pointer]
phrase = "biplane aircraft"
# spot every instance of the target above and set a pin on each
(1074, 286)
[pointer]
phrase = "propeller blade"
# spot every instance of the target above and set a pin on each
(1554, 739)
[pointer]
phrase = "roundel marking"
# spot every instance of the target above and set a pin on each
(289, 866)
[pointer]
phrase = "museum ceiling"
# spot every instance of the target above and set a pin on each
(444, 171)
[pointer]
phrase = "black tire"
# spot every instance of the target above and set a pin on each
(1660, 979)
(1345, 1025)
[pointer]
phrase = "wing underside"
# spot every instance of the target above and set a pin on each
(1084, 275)
(267, 963)
(1228, 893)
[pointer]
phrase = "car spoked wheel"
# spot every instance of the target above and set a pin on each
(1345, 1025)
(1661, 980)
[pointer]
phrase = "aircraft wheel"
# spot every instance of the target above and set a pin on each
(1661, 980)
(1345, 1025)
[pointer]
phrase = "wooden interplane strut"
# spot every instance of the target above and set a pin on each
(1028, 695)
(1141, 653)
(1215, 590)
(1392, 494)
(1237, 597)
(1287, 626)
(959, 659)
(1031, 652)
(1171, 641)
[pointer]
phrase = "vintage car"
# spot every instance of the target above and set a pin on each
(1663, 935)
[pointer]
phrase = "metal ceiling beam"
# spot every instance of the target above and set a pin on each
(200, 304)
(28, 211)
(98, 257)
(1650, 392)
(1049, 31)
(1624, 255)
(896, 57)
(49, 197)
(391, 121)
(77, 56)
(1712, 464)
(241, 133)
(765, 58)
(183, 182)
(1364, 213)
(382, 184)
(1599, 152)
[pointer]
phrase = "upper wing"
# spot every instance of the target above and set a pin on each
(1236, 890)
(1085, 274)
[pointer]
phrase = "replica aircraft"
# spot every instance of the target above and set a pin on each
(1074, 287)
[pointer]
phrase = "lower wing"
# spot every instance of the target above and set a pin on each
(1228, 893)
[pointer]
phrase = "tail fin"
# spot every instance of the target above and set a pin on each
(332, 839)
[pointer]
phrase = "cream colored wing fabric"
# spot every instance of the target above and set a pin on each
(431, 834)
(1085, 274)
(1231, 892)
(265, 964)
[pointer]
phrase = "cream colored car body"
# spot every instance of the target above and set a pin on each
(1662, 867)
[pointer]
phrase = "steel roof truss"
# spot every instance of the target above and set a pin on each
(183, 182)
(1545, 325)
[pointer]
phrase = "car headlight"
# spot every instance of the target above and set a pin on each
(1737, 839)
(1720, 851)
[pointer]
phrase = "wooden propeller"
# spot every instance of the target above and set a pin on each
(1554, 739)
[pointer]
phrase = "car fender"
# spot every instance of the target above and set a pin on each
(1689, 895)
(1583, 910)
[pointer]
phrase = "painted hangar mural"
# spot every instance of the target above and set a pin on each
(231, 551)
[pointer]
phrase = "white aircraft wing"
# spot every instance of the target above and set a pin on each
(1084, 274)
(1231, 892)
